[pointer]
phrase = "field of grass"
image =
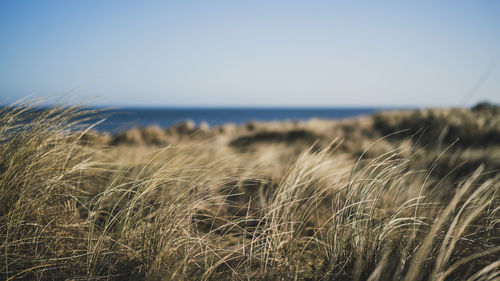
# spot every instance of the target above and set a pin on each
(410, 195)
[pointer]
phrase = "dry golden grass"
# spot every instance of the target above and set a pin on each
(385, 197)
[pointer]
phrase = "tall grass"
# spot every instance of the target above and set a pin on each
(202, 211)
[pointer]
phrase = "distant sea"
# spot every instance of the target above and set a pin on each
(121, 119)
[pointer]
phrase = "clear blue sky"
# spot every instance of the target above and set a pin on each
(227, 53)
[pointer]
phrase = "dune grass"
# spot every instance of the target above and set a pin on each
(202, 210)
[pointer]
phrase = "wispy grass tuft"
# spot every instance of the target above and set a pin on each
(206, 210)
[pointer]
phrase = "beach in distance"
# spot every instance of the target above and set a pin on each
(410, 194)
(125, 118)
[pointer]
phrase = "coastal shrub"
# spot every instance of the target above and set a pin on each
(202, 210)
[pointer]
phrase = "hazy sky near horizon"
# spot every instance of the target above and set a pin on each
(252, 53)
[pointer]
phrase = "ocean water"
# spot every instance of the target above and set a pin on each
(121, 119)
